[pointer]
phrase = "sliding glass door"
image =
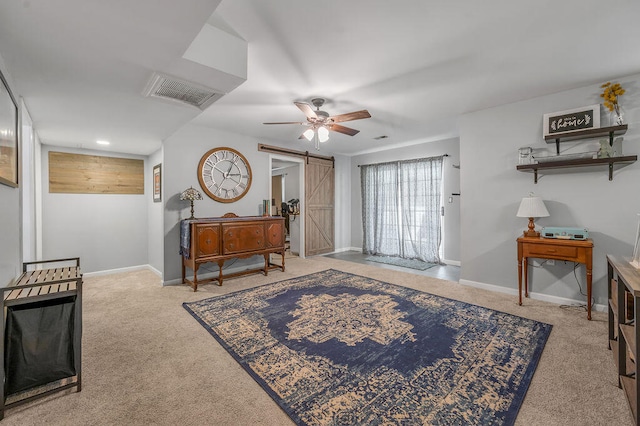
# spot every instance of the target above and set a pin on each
(401, 208)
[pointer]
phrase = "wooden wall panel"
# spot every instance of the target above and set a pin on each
(92, 174)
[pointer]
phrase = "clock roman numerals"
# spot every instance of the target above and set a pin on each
(224, 174)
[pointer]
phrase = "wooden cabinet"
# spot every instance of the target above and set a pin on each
(608, 132)
(207, 238)
(624, 333)
(220, 239)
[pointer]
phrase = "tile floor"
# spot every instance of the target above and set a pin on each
(444, 272)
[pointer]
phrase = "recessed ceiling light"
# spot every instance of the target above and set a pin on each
(103, 142)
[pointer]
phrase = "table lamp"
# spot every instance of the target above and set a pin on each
(532, 206)
(191, 194)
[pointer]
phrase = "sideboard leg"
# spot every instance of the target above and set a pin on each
(195, 276)
(220, 263)
(266, 264)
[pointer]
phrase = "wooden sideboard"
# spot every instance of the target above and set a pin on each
(229, 237)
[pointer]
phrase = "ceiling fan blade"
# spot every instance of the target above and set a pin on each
(356, 115)
(287, 122)
(341, 129)
(306, 109)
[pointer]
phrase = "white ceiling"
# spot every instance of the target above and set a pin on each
(416, 65)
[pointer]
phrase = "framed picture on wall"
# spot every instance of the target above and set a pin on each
(571, 120)
(8, 136)
(157, 183)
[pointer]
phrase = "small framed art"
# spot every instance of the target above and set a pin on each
(8, 136)
(571, 120)
(157, 183)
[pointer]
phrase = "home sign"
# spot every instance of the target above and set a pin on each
(571, 120)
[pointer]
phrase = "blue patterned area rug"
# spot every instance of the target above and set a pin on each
(333, 348)
(399, 261)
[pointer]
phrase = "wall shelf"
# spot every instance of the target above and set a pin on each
(581, 162)
(609, 132)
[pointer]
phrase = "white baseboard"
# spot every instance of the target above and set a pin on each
(451, 262)
(538, 296)
(343, 249)
(154, 270)
(120, 270)
(207, 275)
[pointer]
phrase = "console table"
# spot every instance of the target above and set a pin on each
(580, 251)
(228, 237)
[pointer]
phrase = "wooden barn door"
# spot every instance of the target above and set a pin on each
(319, 206)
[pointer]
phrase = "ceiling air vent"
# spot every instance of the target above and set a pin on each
(173, 89)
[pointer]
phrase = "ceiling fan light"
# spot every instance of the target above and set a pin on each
(323, 134)
(308, 134)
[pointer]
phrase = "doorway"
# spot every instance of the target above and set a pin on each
(287, 174)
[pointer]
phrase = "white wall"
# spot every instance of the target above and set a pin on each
(10, 222)
(451, 182)
(107, 231)
(343, 202)
(27, 186)
(492, 190)
(291, 182)
(182, 153)
(155, 214)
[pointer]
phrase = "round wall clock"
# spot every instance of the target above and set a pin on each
(224, 174)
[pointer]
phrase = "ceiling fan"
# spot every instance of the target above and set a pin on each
(320, 122)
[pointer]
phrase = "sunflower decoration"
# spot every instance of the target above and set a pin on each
(610, 95)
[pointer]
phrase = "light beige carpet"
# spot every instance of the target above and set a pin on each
(147, 361)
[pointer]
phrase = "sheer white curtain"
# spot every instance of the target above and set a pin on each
(401, 208)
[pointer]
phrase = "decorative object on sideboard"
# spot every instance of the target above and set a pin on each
(532, 207)
(571, 120)
(635, 261)
(191, 194)
(611, 94)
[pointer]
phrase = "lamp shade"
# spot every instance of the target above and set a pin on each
(532, 206)
(308, 134)
(191, 194)
(323, 134)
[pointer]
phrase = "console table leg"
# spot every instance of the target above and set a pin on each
(526, 277)
(589, 294)
(519, 281)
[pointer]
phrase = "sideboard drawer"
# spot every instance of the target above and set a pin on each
(242, 238)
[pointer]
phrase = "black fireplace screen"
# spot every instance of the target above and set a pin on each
(39, 345)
